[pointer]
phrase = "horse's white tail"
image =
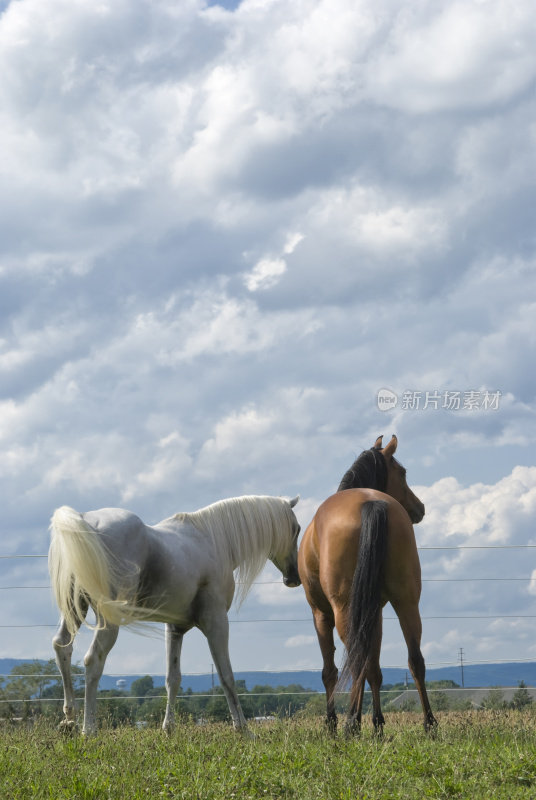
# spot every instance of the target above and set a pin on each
(81, 572)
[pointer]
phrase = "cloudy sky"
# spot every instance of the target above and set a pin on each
(229, 232)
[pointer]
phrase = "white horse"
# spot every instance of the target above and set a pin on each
(180, 572)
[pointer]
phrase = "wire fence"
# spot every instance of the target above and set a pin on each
(399, 698)
(490, 579)
(482, 690)
(300, 620)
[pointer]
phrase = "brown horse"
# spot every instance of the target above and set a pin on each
(358, 553)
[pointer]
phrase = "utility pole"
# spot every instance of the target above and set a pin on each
(212, 676)
(461, 665)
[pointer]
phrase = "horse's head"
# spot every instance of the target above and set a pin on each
(286, 560)
(396, 485)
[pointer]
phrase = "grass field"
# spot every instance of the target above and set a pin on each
(474, 755)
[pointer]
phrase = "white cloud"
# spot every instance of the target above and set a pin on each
(268, 436)
(210, 324)
(222, 233)
(265, 274)
(300, 641)
(170, 462)
(367, 220)
(268, 271)
(292, 242)
(57, 337)
(455, 55)
(271, 593)
(237, 430)
(398, 228)
(481, 514)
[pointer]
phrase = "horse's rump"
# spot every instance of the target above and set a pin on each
(83, 571)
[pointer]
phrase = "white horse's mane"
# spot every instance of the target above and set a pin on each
(245, 531)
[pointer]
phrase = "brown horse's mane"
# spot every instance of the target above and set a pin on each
(369, 471)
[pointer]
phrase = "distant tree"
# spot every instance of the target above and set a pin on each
(153, 707)
(113, 710)
(443, 684)
(37, 680)
(440, 701)
(521, 698)
(216, 708)
(458, 704)
(7, 707)
(494, 700)
(315, 706)
(262, 689)
(289, 699)
(30, 680)
(141, 686)
(159, 691)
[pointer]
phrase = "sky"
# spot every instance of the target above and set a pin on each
(239, 241)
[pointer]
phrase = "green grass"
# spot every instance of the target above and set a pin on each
(474, 755)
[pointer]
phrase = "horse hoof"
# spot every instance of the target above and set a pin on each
(68, 727)
(331, 727)
(353, 730)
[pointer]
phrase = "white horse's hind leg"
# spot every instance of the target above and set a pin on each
(215, 625)
(174, 637)
(103, 641)
(63, 647)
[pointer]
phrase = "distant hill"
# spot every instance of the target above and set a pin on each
(8, 664)
(475, 675)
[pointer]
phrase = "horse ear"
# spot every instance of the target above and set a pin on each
(390, 449)
(294, 501)
(378, 443)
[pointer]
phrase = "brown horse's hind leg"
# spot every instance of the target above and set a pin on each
(410, 622)
(324, 624)
(353, 723)
(375, 678)
(416, 665)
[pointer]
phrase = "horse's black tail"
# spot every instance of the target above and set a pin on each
(365, 606)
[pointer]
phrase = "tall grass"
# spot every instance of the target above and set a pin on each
(489, 755)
